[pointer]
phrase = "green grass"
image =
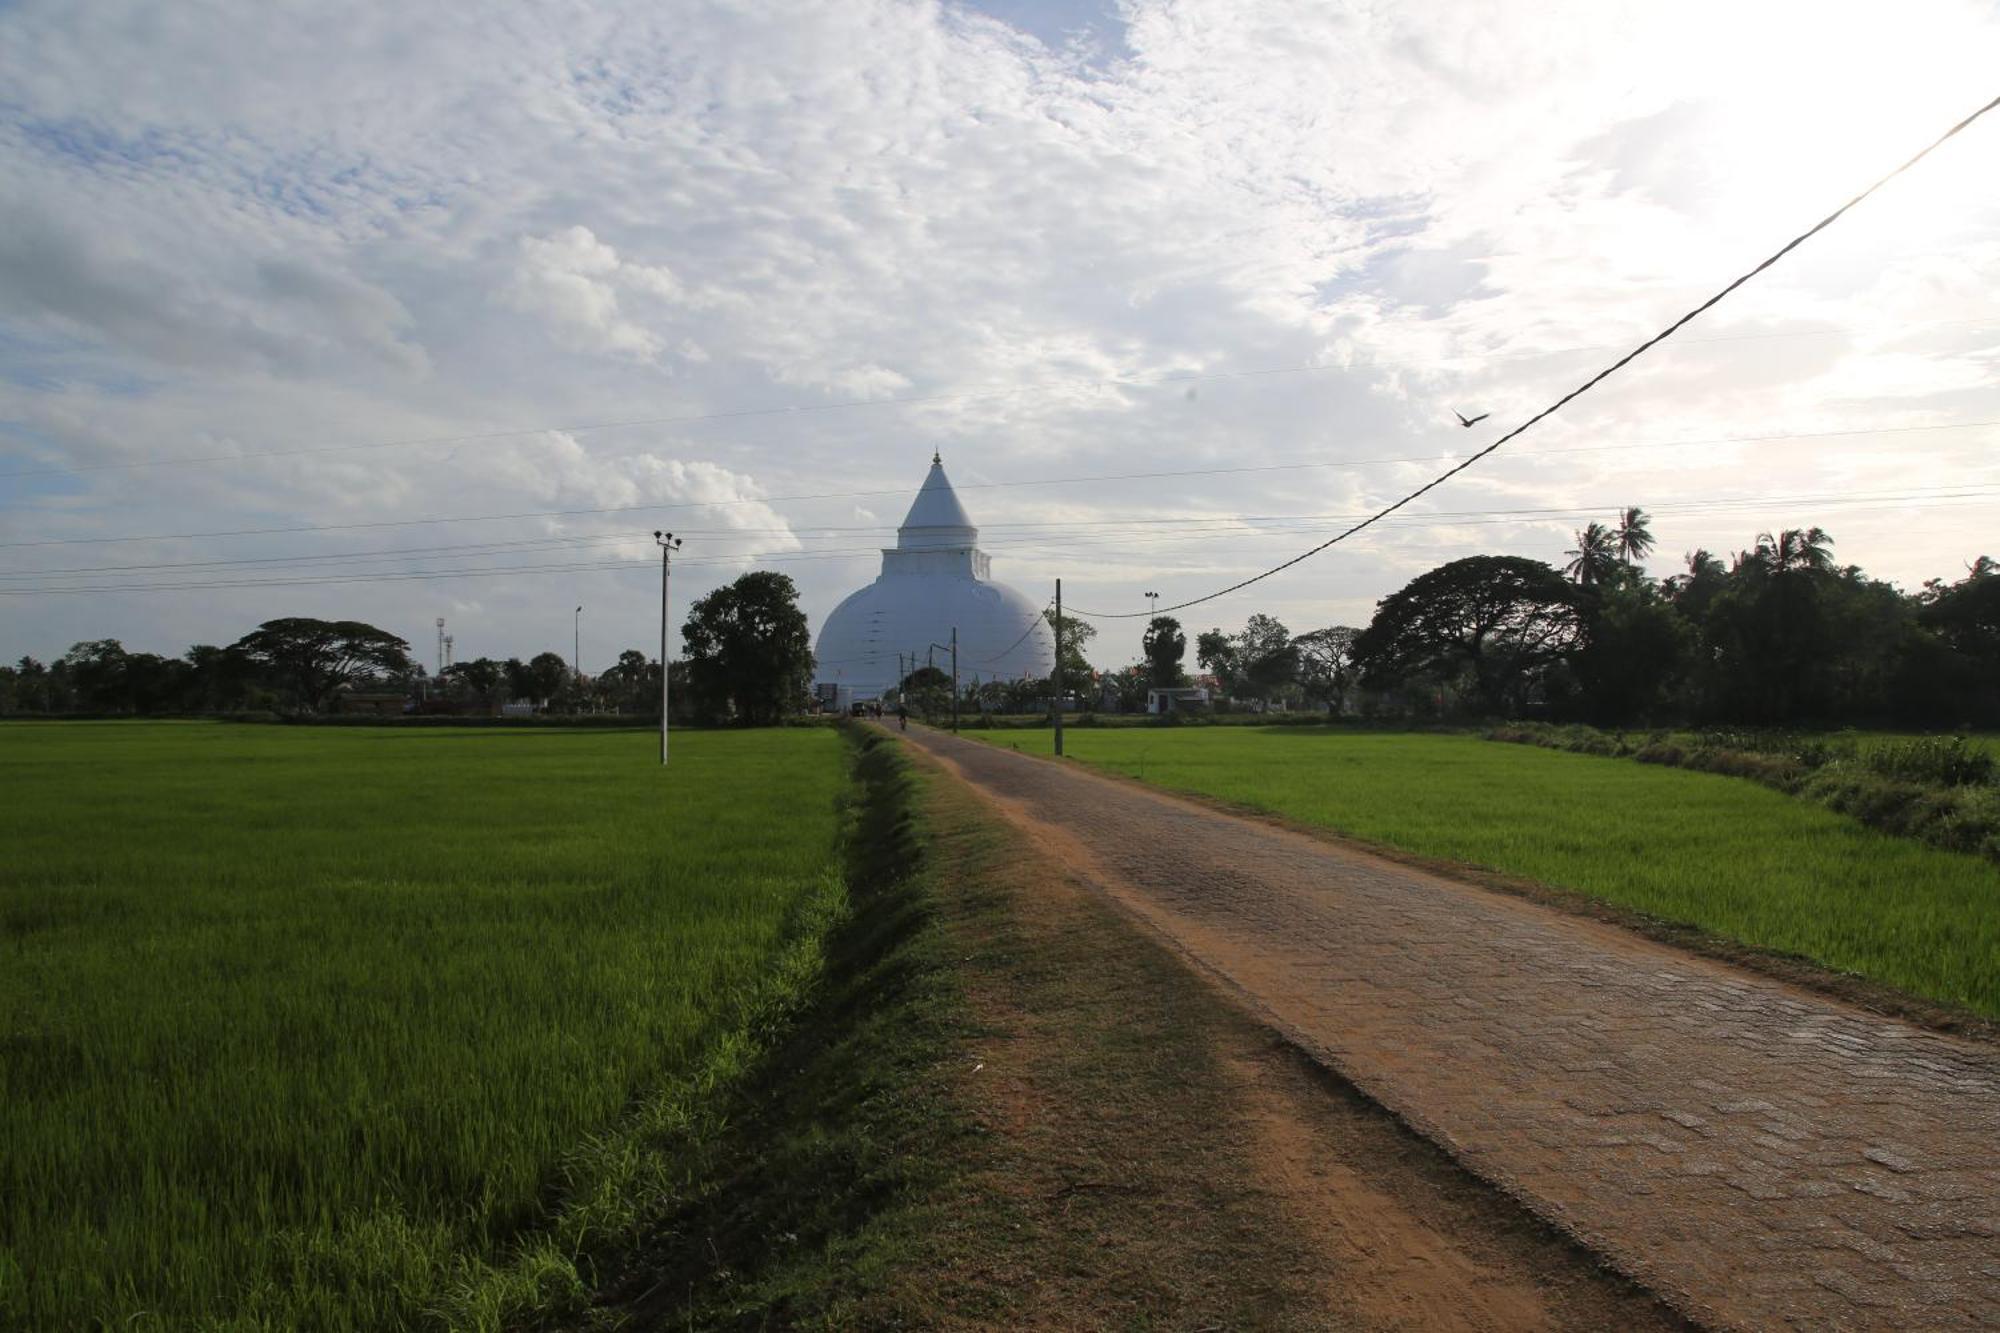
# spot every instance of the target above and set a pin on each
(312, 1028)
(1720, 853)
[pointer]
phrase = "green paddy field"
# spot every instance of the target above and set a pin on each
(318, 1028)
(1734, 858)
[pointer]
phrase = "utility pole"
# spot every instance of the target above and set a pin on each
(953, 646)
(1059, 679)
(576, 646)
(1153, 601)
(667, 543)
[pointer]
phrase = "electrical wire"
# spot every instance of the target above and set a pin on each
(1168, 379)
(981, 485)
(1575, 393)
(1040, 616)
(1240, 528)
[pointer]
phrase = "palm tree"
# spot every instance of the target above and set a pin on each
(1634, 535)
(1595, 556)
(1700, 563)
(1794, 550)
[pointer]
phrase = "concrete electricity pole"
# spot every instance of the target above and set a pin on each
(953, 646)
(576, 646)
(1059, 679)
(668, 544)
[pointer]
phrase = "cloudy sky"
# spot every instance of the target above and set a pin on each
(337, 310)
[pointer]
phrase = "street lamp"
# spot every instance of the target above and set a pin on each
(576, 646)
(668, 544)
(1153, 601)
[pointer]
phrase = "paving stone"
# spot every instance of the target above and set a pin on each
(1826, 1167)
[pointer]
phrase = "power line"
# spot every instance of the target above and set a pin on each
(1445, 518)
(1165, 380)
(1577, 392)
(1039, 617)
(556, 540)
(985, 485)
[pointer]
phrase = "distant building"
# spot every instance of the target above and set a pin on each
(379, 703)
(934, 580)
(1179, 698)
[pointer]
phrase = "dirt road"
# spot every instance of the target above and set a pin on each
(1758, 1155)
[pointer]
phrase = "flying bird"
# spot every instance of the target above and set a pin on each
(1474, 422)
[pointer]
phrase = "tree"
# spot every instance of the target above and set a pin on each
(1500, 620)
(546, 675)
(927, 692)
(1164, 646)
(1073, 635)
(1634, 536)
(1793, 551)
(97, 672)
(633, 685)
(1326, 668)
(1217, 654)
(219, 679)
(748, 650)
(480, 681)
(1595, 555)
(1268, 661)
(1634, 643)
(314, 658)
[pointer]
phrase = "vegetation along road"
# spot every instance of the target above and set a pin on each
(1753, 1152)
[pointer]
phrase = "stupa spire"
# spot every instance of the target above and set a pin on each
(936, 518)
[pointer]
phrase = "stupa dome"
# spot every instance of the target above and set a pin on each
(933, 580)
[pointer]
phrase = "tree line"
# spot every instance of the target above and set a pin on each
(1778, 634)
(748, 659)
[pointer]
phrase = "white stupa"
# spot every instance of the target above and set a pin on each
(936, 579)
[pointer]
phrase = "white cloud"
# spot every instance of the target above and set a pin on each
(237, 230)
(573, 279)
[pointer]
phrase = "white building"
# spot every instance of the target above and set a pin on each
(936, 579)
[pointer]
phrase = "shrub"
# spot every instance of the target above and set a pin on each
(1946, 760)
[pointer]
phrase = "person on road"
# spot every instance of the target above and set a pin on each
(902, 718)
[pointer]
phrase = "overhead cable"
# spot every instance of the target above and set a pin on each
(1573, 394)
(1163, 380)
(981, 485)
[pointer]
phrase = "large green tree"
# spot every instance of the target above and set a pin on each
(1165, 645)
(1500, 622)
(1266, 655)
(314, 658)
(1074, 635)
(749, 653)
(1326, 665)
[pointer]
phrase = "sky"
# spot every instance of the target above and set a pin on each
(393, 312)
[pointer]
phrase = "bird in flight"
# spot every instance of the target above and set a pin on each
(1474, 422)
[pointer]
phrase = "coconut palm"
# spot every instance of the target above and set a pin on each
(1701, 563)
(1634, 535)
(1794, 550)
(1595, 556)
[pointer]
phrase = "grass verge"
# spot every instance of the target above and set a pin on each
(1942, 790)
(1726, 858)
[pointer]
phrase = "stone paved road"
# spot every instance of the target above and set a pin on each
(1759, 1155)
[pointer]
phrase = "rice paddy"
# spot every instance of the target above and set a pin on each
(299, 1026)
(1720, 853)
